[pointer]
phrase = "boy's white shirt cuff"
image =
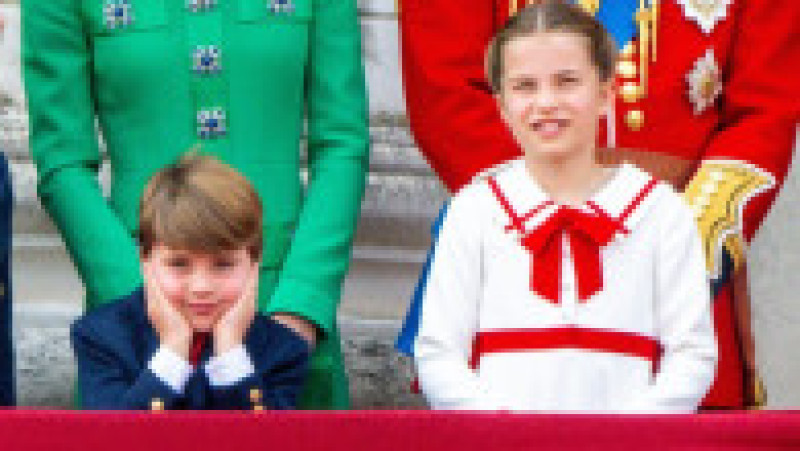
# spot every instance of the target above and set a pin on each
(229, 368)
(171, 368)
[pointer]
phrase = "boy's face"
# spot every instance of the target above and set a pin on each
(201, 286)
(551, 95)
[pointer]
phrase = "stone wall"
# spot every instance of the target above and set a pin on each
(379, 377)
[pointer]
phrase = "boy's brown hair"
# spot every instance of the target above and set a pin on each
(200, 204)
(544, 16)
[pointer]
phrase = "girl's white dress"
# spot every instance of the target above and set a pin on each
(489, 338)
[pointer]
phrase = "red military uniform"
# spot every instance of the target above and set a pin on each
(708, 100)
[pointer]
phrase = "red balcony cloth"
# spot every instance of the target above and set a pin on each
(392, 431)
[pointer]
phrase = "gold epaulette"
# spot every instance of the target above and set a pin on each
(717, 194)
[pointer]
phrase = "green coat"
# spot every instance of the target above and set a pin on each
(138, 78)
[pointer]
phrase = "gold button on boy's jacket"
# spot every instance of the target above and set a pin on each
(255, 395)
(157, 404)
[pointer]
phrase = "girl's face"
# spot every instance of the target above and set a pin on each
(202, 286)
(551, 95)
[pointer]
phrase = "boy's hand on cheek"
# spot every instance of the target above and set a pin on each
(172, 328)
(232, 326)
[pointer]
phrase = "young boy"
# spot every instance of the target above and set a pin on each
(558, 283)
(191, 337)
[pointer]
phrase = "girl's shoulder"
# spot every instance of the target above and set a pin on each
(478, 193)
(662, 203)
(664, 195)
(475, 205)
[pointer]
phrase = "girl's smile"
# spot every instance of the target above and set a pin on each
(549, 129)
(551, 94)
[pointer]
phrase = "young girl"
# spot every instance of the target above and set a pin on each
(558, 283)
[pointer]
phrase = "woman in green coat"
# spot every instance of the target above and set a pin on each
(237, 76)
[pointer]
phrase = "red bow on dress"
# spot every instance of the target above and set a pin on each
(587, 233)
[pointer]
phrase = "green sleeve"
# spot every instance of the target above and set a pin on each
(64, 147)
(338, 154)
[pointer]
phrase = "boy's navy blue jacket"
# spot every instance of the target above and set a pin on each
(114, 343)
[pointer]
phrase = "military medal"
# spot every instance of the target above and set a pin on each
(707, 13)
(705, 83)
(117, 14)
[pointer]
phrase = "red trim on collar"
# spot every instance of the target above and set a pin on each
(638, 199)
(587, 234)
(517, 221)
